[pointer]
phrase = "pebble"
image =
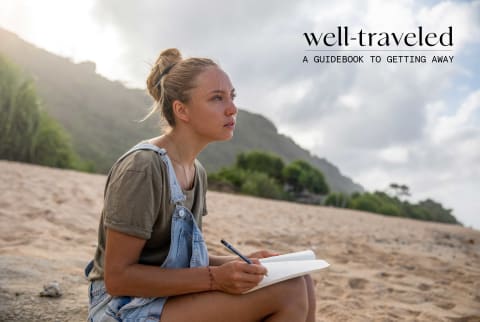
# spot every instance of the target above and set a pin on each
(51, 289)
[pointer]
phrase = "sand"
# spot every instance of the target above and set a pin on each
(382, 268)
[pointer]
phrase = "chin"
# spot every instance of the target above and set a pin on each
(225, 137)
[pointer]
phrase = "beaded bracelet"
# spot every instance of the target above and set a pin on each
(211, 278)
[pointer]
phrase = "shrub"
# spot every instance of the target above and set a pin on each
(259, 161)
(301, 175)
(261, 185)
(339, 200)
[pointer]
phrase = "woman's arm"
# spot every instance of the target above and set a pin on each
(124, 276)
(216, 260)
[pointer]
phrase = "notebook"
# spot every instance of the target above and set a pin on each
(287, 266)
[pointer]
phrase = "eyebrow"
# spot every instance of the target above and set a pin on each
(222, 91)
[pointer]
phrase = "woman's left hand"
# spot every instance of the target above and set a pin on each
(263, 254)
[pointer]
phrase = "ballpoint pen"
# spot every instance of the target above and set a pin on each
(236, 252)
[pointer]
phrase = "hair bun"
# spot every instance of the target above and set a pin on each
(171, 78)
(166, 58)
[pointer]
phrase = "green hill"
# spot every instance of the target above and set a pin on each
(101, 115)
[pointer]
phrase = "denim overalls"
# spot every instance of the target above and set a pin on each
(187, 249)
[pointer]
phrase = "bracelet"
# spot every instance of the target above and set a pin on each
(210, 275)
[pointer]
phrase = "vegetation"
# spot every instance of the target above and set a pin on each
(338, 199)
(27, 133)
(400, 190)
(265, 175)
(302, 176)
(268, 163)
(382, 203)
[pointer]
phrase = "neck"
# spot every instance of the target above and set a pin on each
(185, 146)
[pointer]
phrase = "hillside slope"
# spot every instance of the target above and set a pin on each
(102, 115)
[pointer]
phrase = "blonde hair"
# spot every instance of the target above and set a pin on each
(171, 78)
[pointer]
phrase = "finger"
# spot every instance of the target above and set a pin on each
(267, 253)
(249, 282)
(252, 278)
(255, 269)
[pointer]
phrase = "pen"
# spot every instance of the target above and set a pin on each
(236, 252)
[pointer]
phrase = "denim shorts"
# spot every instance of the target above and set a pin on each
(105, 308)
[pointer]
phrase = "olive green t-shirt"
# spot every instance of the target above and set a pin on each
(137, 202)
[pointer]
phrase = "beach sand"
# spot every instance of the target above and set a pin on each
(382, 268)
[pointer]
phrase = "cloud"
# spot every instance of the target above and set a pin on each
(463, 123)
(212, 29)
(394, 154)
(442, 164)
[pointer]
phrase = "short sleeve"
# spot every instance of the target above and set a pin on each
(204, 178)
(131, 205)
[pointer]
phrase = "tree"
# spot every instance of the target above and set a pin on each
(400, 190)
(436, 211)
(27, 133)
(300, 175)
(259, 161)
(19, 114)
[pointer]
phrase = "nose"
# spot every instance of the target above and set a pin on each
(231, 109)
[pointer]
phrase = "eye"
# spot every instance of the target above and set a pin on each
(233, 96)
(217, 98)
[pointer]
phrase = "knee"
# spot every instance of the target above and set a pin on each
(293, 293)
(310, 284)
(309, 281)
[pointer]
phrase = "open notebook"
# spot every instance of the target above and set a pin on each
(287, 266)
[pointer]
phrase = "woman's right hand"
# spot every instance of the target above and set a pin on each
(236, 277)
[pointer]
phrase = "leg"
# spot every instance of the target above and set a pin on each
(286, 301)
(312, 301)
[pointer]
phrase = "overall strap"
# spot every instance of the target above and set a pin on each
(176, 192)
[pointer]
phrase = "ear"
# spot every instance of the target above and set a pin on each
(180, 111)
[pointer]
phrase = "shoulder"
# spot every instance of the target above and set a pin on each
(202, 173)
(201, 189)
(200, 168)
(140, 161)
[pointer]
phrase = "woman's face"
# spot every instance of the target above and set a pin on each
(211, 110)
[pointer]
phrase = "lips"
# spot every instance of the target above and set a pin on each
(230, 124)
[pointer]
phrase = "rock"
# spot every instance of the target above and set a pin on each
(51, 289)
(357, 283)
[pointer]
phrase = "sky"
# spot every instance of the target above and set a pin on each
(410, 123)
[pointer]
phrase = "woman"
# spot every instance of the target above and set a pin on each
(151, 262)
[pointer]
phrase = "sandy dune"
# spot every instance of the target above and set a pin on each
(382, 268)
